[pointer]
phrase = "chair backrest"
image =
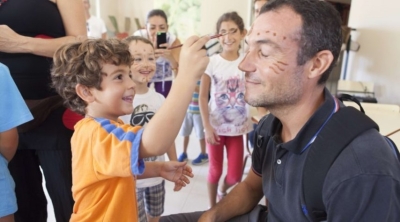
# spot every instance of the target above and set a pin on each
(355, 86)
(375, 107)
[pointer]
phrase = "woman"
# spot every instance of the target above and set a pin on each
(30, 33)
(167, 60)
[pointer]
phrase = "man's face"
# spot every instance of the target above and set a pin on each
(86, 4)
(273, 78)
(257, 7)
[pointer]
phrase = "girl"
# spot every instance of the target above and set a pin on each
(150, 192)
(226, 116)
(167, 60)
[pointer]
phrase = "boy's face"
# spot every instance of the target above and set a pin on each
(116, 95)
(144, 62)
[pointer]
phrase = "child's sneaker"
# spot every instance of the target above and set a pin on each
(183, 157)
(201, 159)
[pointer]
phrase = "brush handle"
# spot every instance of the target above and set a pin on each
(211, 37)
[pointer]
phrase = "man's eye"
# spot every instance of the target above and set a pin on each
(119, 76)
(137, 60)
(263, 55)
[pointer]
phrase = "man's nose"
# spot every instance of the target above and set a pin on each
(246, 65)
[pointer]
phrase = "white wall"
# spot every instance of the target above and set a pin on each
(378, 60)
(210, 11)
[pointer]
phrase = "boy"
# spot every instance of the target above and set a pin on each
(94, 79)
(193, 119)
(150, 193)
(13, 112)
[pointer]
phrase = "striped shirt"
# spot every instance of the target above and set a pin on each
(194, 104)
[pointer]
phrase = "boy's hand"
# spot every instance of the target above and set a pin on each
(176, 172)
(193, 58)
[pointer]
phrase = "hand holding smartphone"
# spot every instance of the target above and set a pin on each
(161, 39)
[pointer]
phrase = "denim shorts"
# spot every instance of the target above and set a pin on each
(8, 201)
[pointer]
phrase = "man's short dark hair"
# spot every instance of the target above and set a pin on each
(321, 29)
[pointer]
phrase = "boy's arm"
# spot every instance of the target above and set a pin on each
(8, 143)
(172, 153)
(167, 121)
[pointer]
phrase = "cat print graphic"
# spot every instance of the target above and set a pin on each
(229, 100)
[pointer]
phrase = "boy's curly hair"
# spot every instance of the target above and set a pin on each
(81, 63)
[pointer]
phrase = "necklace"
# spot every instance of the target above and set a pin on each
(2, 2)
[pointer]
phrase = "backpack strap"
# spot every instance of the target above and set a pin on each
(260, 137)
(345, 125)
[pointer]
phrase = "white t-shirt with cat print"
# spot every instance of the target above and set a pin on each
(229, 113)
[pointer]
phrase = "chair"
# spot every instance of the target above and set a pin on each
(375, 106)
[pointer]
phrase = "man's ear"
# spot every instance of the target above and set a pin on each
(320, 63)
(84, 93)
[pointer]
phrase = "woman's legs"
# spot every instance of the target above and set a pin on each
(56, 166)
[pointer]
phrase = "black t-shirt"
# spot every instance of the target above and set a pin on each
(31, 18)
(363, 184)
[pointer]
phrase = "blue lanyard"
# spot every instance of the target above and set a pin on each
(335, 109)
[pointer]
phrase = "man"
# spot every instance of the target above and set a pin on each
(95, 26)
(293, 46)
(257, 6)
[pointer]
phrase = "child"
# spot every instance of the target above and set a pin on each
(193, 119)
(13, 112)
(146, 103)
(167, 60)
(226, 117)
(94, 79)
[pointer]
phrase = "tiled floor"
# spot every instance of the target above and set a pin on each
(193, 197)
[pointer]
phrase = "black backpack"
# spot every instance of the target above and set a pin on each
(348, 120)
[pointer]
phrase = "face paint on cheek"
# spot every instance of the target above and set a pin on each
(273, 69)
(274, 34)
(277, 66)
(280, 62)
(284, 37)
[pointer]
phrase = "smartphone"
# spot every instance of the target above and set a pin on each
(161, 39)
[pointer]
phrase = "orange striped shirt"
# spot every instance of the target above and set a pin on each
(105, 158)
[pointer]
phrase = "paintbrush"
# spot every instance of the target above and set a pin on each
(211, 37)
